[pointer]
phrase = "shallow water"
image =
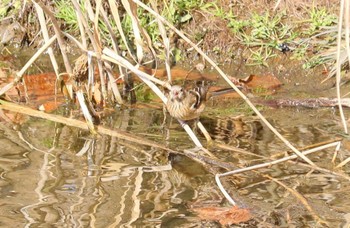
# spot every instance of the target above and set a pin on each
(60, 176)
(54, 175)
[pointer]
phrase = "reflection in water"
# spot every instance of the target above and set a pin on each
(71, 179)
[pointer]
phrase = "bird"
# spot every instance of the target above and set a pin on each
(186, 105)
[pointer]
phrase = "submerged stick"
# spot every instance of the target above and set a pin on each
(300, 197)
(80, 124)
(259, 166)
(308, 103)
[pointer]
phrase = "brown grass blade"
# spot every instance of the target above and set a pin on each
(166, 42)
(46, 37)
(116, 17)
(131, 11)
(338, 64)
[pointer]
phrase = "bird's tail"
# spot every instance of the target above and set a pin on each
(222, 91)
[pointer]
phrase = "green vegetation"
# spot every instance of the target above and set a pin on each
(67, 14)
(144, 93)
(8, 7)
(47, 142)
(263, 34)
(177, 12)
(320, 21)
(319, 18)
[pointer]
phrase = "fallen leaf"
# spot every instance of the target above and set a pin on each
(261, 81)
(224, 215)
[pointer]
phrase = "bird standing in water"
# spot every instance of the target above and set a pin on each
(187, 105)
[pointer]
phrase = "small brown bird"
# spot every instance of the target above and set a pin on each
(188, 104)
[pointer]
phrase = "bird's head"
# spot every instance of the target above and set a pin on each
(177, 93)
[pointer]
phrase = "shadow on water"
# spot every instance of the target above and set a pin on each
(59, 175)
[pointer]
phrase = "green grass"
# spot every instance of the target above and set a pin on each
(8, 7)
(264, 33)
(66, 12)
(261, 33)
(319, 18)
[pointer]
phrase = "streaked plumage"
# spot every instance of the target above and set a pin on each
(186, 105)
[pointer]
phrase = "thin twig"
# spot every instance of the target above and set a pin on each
(166, 42)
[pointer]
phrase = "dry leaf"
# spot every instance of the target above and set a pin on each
(224, 215)
(261, 81)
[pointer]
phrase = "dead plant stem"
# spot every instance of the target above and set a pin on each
(338, 63)
(46, 37)
(58, 32)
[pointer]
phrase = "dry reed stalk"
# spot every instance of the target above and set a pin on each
(166, 42)
(341, 164)
(58, 32)
(138, 42)
(46, 37)
(45, 33)
(122, 70)
(116, 17)
(113, 84)
(98, 45)
(69, 70)
(274, 162)
(338, 63)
